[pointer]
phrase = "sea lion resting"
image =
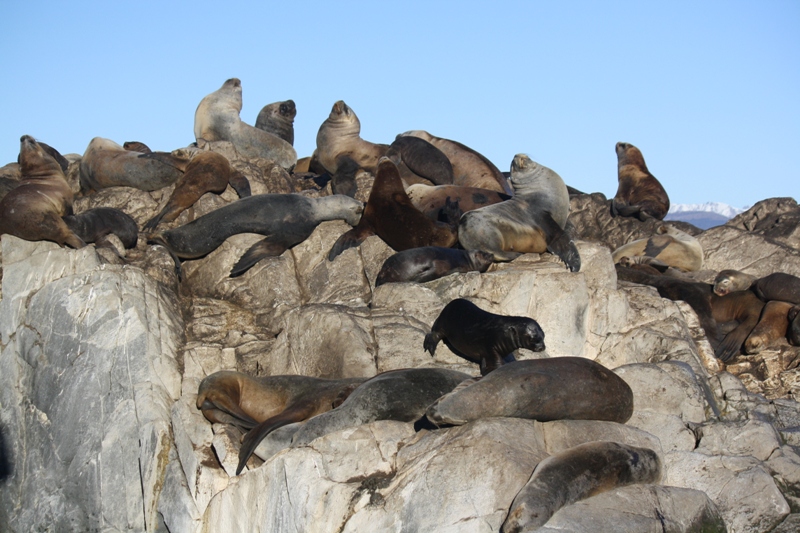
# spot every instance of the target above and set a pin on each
(533, 221)
(432, 200)
(285, 219)
(431, 262)
(94, 225)
(639, 193)
(775, 286)
(669, 245)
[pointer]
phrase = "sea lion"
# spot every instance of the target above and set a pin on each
(794, 325)
(483, 337)
(470, 168)
(278, 119)
(669, 245)
(775, 286)
(55, 154)
(575, 474)
(423, 159)
(93, 225)
(773, 325)
(107, 164)
(401, 395)
(262, 405)
(390, 215)
(286, 220)
(558, 388)
(532, 221)
(206, 172)
(136, 146)
(431, 262)
(639, 193)
(217, 119)
(33, 210)
(431, 200)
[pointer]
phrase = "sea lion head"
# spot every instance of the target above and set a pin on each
(527, 334)
(341, 113)
(34, 160)
(288, 109)
(729, 281)
(480, 260)
(522, 163)
(628, 154)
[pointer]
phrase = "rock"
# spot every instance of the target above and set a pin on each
(775, 218)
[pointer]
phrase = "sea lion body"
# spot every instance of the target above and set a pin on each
(217, 119)
(669, 245)
(107, 164)
(206, 172)
(431, 262)
(93, 225)
(401, 395)
(775, 286)
(794, 325)
(136, 146)
(575, 474)
(772, 325)
(483, 337)
(533, 221)
(639, 193)
(432, 199)
(33, 210)
(278, 119)
(390, 215)
(265, 404)
(558, 388)
(285, 220)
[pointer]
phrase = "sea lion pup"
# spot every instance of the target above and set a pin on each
(773, 325)
(483, 337)
(470, 168)
(401, 395)
(558, 388)
(431, 200)
(217, 119)
(669, 245)
(93, 225)
(33, 210)
(390, 215)
(794, 325)
(639, 193)
(575, 474)
(136, 146)
(285, 219)
(533, 220)
(431, 262)
(278, 119)
(206, 172)
(775, 286)
(262, 405)
(107, 164)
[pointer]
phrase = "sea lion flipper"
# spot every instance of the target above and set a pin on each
(559, 242)
(153, 223)
(430, 342)
(168, 159)
(251, 440)
(424, 159)
(349, 239)
(240, 183)
(264, 248)
(343, 181)
(657, 244)
(622, 209)
(731, 345)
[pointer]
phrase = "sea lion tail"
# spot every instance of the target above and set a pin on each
(254, 437)
(159, 240)
(257, 252)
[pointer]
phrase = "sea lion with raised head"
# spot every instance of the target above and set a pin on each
(265, 404)
(431, 200)
(285, 220)
(776, 286)
(483, 337)
(669, 245)
(33, 210)
(639, 193)
(278, 119)
(217, 119)
(532, 221)
(575, 474)
(772, 325)
(431, 262)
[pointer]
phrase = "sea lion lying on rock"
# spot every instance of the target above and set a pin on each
(776, 286)
(431, 262)
(669, 245)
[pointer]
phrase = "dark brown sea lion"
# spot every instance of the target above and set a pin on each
(107, 164)
(470, 168)
(286, 220)
(773, 325)
(794, 325)
(639, 193)
(217, 119)
(278, 119)
(775, 286)
(575, 474)
(424, 159)
(390, 215)
(483, 337)
(206, 172)
(33, 210)
(669, 245)
(93, 225)
(431, 200)
(262, 405)
(431, 262)
(533, 221)
(136, 146)
(558, 388)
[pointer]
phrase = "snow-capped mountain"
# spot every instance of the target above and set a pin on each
(703, 216)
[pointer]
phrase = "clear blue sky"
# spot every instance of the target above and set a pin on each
(709, 91)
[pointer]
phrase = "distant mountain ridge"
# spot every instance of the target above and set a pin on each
(705, 215)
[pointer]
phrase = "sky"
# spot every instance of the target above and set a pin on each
(708, 91)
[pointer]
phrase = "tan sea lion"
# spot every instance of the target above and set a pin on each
(575, 474)
(775, 286)
(773, 325)
(33, 210)
(206, 172)
(432, 199)
(278, 119)
(431, 262)
(265, 404)
(217, 119)
(669, 245)
(639, 193)
(532, 221)
(390, 215)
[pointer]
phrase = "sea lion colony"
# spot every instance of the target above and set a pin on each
(473, 216)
